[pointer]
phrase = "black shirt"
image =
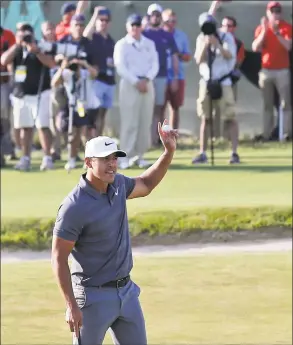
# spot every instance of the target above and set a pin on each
(104, 50)
(84, 44)
(34, 69)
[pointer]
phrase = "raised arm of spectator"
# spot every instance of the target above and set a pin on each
(260, 35)
(90, 28)
(81, 6)
(57, 78)
(214, 7)
(286, 41)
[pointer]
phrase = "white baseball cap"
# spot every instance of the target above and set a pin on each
(154, 7)
(102, 147)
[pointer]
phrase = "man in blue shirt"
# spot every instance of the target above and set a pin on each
(103, 44)
(176, 99)
(165, 46)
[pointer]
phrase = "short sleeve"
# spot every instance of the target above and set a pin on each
(174, 48)
(185, 41)
(18, 57)
(257, 31)
(129, 184)
(68, 224)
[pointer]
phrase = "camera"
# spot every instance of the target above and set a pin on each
(207, 24)
(68, 50)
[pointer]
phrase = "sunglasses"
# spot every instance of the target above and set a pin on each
(104, 20)
(171, 21)
(138, 25)
(228, 26)
(276, 10)
(156, 14)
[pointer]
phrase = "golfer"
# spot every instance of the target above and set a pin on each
(92, 226)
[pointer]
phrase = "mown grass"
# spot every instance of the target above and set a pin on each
(263, 179)
(217, 299)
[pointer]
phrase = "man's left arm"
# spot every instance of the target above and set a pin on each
(148, 180)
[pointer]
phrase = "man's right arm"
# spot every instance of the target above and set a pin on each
(9, 56)
(90, 28)
(260, 34)
(66, 231)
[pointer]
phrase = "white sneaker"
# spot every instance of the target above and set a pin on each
(71, 164)
(124, 163)
(24, 164)
(142, 163)
(47, 163)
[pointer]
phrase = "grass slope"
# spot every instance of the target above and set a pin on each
(218, 299)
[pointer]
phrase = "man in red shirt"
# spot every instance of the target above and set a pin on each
(68, 10)
(273, 38)
(7, 40)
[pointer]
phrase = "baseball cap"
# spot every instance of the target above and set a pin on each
(104, 11)
(154, 8)
(272, 4)
(80, 18)
(67, 7)
(134, 19)
(102, 147)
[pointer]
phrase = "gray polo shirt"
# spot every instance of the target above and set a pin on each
(98, 224)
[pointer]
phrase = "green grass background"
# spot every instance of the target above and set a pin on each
(263, 179)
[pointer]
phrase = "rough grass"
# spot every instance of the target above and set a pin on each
(37, 233)
(215, 300)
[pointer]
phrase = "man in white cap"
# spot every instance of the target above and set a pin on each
(137, 63)
(92, 226)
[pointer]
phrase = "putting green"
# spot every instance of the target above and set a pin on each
(217, 299)
(263, 179)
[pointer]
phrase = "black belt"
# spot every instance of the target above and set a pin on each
(117, 283)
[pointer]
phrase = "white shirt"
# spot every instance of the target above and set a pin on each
(134, 59)
(84, 88)
(220, 66)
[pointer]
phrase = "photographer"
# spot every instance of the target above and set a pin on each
(216, 56)
(77, 77)
(31, 94)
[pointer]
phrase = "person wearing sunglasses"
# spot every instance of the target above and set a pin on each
(167, 49)
(273, 38)
(176, 99)
(137, 63)
(103, 44)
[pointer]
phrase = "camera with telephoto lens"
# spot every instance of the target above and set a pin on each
(207, 24)
(68, 50)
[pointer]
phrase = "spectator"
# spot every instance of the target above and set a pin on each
(77, 26)
(103, 43)
(86, 100)
(176, 99)
(31, 94)
(58, 98)
(273, 38)
(166, 46)
(7, 40)
(68, 10)
(221, 48)
(137, 63)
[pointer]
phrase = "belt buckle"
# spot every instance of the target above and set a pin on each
(118, 281)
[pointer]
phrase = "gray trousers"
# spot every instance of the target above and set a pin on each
(118, 310)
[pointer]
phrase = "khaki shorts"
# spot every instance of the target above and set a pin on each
(25, 111)
(226, 103)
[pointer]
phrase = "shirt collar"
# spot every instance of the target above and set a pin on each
(86, 186)
(132, 40)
